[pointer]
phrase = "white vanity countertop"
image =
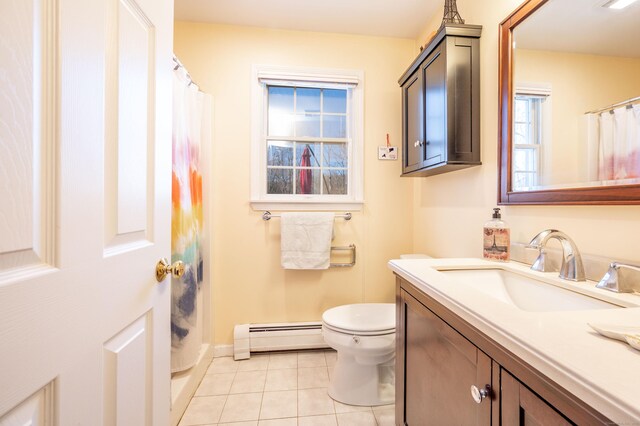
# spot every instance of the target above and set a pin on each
(602, 372)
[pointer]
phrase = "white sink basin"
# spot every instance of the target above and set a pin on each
(524, 292)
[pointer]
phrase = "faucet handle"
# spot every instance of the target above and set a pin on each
(620, 278)
(542, 262)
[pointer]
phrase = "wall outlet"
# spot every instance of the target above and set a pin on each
(387, 153)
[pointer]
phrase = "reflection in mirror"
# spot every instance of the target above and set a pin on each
(576, 96)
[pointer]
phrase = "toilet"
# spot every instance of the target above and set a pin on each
(364, 336)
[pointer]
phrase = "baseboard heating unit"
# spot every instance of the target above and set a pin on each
(249, 338)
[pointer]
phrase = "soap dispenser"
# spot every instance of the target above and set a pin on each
(497, 241)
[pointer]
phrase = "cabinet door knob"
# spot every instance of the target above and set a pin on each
(416, 144)
(479, 394)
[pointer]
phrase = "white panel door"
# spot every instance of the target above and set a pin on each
(85, 192)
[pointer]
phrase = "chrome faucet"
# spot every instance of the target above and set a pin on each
(621, 278)
(571, 268)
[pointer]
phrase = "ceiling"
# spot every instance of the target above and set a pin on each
(390, 18)
(582, 26)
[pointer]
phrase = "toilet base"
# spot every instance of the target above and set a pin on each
(357, 384)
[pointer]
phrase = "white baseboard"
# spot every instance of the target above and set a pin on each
(185, 384)
(222, 350)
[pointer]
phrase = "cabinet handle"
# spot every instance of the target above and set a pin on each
(417, 144)
(479, 394)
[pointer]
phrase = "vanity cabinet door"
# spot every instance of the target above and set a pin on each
(440, 366)
(520, 406)
(413, 123)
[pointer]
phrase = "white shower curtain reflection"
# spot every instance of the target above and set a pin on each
(618, 143)
(593, 146)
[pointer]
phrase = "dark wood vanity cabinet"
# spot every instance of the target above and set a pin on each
(433, 349)
(439, 357)
(441, 104)
(521, 407)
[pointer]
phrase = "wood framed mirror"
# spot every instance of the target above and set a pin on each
(554, 142)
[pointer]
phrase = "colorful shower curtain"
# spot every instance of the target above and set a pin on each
(191, 120)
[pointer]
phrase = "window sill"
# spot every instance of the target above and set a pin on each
(270, 205)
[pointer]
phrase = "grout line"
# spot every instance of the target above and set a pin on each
(260, 410)
(264, 385)
(226, 397)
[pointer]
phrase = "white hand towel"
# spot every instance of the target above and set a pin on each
(306, 240)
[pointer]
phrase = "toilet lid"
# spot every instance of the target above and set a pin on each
(362, 317)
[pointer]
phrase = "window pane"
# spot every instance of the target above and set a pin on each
(280, 111)
(519, 160)
(522, 110)
(334, 182)
(522, 133)
(314, 154)
(281, 98)
(279, 181)
(520, 140)
(279, 153)
(308, 125)
(519, 181)
(335, 101)
(334, 126)
(308, 100)
(524, 159)
(308, 181)
(335, 155)
(523, 180)
(280, 124)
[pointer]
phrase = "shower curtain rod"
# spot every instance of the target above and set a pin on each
(178, 65)
(619, 104)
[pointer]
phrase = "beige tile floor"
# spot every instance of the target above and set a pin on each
(277, 389)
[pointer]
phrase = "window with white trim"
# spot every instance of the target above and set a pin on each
(307, 138)
(528, 137)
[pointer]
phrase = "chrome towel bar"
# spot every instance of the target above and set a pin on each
(268, 215)
(352, 248)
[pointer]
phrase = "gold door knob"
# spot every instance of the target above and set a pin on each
(163, 268)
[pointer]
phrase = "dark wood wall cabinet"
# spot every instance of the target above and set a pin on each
(441, 104)
(448, 372)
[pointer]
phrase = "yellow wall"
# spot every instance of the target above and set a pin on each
(248, 283)
(579, 83)
(450, 209)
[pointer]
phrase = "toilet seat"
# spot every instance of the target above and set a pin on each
(364, 319)
(359, 332)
